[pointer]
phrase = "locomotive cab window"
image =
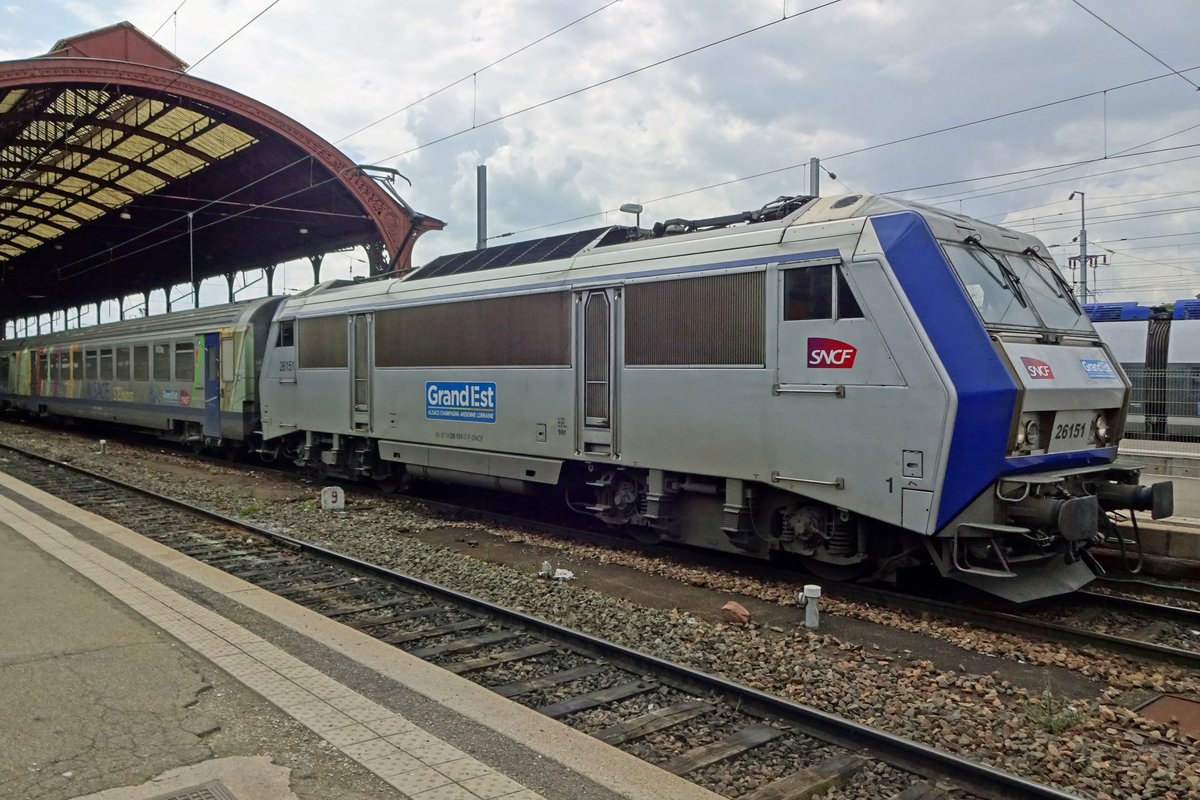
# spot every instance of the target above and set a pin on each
(816, 293)
(287, 333)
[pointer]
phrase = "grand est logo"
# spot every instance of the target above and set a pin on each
(826, 353)
(1037, 369)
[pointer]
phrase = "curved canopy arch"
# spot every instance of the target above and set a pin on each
(120, 173)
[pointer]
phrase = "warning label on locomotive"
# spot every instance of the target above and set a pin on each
(1098, 369)
(467, 401)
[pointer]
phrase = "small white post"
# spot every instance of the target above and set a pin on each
(333, 498)
(810, 599)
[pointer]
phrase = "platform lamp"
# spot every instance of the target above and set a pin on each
(636, 209)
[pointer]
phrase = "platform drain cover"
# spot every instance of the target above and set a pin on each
(213, 790)
(1182, 712)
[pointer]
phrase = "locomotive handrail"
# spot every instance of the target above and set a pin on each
(837, 483)
(798, 388)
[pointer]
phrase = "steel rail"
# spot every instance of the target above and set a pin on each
(1184, 616)
(912, 756)
(1008, 622)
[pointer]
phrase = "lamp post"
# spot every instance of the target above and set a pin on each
(1083, 289)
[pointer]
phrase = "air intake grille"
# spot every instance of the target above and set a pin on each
(710, 321)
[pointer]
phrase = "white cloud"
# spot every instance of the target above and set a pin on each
(837, 79)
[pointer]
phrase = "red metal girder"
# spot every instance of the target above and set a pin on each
(398, 227)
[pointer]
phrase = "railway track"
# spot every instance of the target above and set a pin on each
(650, 707)
(1152, 632)
(1073, 619)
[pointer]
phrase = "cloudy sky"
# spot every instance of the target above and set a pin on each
(1041, 98)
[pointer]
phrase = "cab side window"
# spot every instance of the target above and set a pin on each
(816, 292)
(287, 333)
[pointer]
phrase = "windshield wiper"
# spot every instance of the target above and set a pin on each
(1059, 280)
(1010, 277)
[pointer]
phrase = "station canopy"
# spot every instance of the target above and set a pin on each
(120, 174)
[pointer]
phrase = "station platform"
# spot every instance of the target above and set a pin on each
(129, 671)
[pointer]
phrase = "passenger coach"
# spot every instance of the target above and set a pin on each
(190, 377)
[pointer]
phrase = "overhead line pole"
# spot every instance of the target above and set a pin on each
(1083, 262)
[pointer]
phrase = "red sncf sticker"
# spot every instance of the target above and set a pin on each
(1037, 368)
(830, 353)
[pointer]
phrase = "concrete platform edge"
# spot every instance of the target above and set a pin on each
(606, 766)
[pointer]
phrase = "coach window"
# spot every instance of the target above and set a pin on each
(287, 333)
(106, 364)
(122, 364)
(4, 370)
(814, 293)
(162, 362)
(141, 362)
(77, 364)
(185, 361)
(91, 365)
(227, 360)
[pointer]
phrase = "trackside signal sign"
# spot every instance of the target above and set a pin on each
(464, 401)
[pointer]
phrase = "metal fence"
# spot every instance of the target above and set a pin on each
(1164, 413)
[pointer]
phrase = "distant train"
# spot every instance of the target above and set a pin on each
(1159, 348)
(861, 382)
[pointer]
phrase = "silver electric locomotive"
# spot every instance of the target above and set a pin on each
(859, 381)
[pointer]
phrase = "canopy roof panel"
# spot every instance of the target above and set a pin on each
(118, 177)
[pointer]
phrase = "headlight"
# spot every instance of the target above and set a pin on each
(1033, 434)
(1100, 429)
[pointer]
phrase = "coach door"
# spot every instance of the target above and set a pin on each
(360, 370)
(597, 359)
(212, 385)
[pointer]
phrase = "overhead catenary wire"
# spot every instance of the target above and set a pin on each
(610, 80)
(1122, 34)
(543, 103)
(475, 73)
(872, 147)
(163, 24)
(981, 192)
(869, 148)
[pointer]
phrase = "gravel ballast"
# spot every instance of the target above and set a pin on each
(1109, 752)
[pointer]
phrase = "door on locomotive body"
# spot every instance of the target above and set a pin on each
(212, 385)
(597, 314)
(361, 337)
(824, 338)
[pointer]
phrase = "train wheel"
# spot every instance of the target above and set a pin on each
(644, 535)
(835, 573)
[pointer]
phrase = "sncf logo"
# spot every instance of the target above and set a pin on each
(830, 353)
(1037, 369)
